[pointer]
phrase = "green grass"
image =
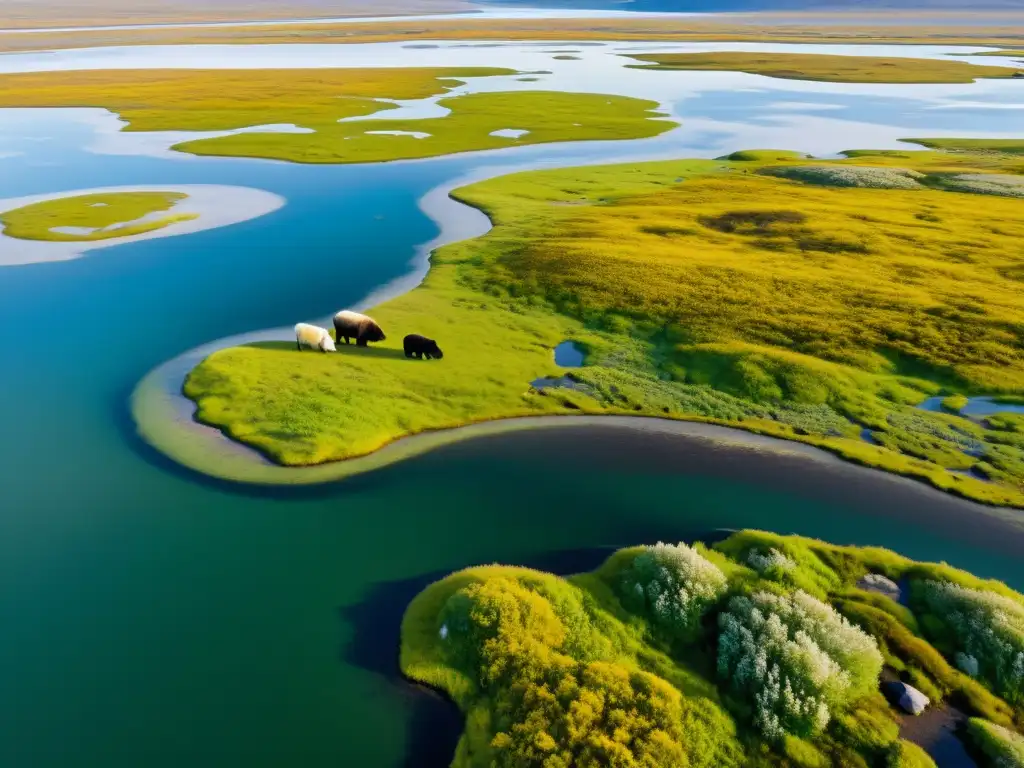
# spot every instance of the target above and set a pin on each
(538, 661)
(212, 100)
(96, 212)
(1008, 146)
(548, 116)
(701, 290)
(828, 68)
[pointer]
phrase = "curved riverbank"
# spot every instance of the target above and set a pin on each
(254, 396)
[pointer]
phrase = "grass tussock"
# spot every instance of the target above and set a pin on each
(109, 215)
(700, 290)
(644, 661)
(826, 67)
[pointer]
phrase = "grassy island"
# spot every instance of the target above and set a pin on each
(828, 68)
(761, 650)
(819, 301)
(314, 106)
(103, 216)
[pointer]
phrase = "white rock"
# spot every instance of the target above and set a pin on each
(876, 582)
(912, 700)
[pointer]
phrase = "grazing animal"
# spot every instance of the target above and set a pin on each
(314, 337)
(421, 347)
(356, 326)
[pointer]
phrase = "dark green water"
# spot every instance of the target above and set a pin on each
(151, 618)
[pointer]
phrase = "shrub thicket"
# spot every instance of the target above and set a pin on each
(674, 585)
(549, 708)
(987, 630)
(1003, 748)
(796, 658)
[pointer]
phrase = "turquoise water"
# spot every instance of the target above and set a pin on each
(152, 617)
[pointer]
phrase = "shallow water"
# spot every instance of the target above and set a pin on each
(976, 406)
(568, 355)
(152, 617)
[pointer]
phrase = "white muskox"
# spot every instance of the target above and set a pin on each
(314, 337)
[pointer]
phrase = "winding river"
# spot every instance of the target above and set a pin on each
(153, 616)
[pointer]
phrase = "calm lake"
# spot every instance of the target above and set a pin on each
(152, 617)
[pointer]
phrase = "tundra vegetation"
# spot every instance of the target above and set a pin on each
(673, 655)
(827, 67)
(740, 292)
(94, 217)
(316, 100)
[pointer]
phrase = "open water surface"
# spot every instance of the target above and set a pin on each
(153, 617)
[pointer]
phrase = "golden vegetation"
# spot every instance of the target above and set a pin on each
(316, 99)
(700, 290)
(829, 68)
(222, 99)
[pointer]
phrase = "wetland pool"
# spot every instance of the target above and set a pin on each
(155, 617)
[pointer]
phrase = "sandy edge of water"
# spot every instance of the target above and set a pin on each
(213, 205)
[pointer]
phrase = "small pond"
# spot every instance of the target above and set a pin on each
(976, 406)
(569, 355)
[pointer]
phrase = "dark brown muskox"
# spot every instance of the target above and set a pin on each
(421, 347)
(352, 325)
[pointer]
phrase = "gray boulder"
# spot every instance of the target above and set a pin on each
(910, 699)
(876, 582)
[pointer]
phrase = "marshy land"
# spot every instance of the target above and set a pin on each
(864, 304)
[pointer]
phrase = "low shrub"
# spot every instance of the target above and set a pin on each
(986, 626)
(904, 754)
(796, 658)
(1003, 748)
(849, 176)
(674, 585)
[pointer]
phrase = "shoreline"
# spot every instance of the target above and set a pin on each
(165, 417)
(215, 206)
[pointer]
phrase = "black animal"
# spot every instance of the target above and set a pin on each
(421, 347)
(356, 326)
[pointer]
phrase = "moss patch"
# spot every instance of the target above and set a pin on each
(108, 216)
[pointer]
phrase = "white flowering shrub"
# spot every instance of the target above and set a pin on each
(1003, 184)
(772, 563)
(797, 660)
(849, 176)
(674, 585)
(986, 627)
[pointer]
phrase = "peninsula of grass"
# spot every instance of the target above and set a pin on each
(762, 650)
(827, 68)
(810, 305)
(93, 217)
(316, 100)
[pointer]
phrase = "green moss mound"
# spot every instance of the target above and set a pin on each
(99, 216)
(593, 669)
